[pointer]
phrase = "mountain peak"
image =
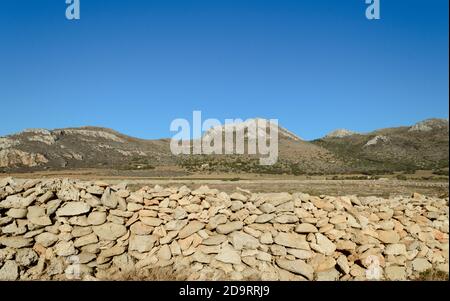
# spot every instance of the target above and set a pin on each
(261, 124)
(429, 124)
(340, 133)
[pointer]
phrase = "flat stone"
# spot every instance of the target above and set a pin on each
(26, 257)
(81, 231)
(191, 228)
(45, 197)
(9, 271)
(85, 257)
(96, 218)
(16, 242)
(142, 243)
(327, 247)
(266, 238)
(325, 264)
(52, 207)
(111, 252)
(267, 208)
(264, 218)
(343, 264)
(86, 240)
(286, 219)
(73, 209)
(46, 239)
(37, 216)
(17, 202)
(286, 207)
(17, 213)
(301, 254)
(275, 198)
(164, 253)
(297, 267)
(241, 240)
(216, 220)
(306, 228)
(421, 264)
(68, 193)
(110, 199)
(31, 234)
(238, 196)
(140, 228)
(65, 248)
(229, 227)
(328, 275)
(388, 237)
(395, 249)
(214, 240)
(228, 254)
(395, 272)
(109, 231)
(292, 240)
(151, 221)
(346, 245)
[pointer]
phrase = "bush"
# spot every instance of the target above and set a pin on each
(401, 177)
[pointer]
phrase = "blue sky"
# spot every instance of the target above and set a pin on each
(134, 66)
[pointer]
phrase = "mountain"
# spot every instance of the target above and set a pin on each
(252, 127)
(421, 146)
(340, 133)
(86, 147)
(424, 145)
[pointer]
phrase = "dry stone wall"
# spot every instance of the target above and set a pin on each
(63, 229)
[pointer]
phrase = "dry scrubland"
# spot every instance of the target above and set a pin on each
(55, 228)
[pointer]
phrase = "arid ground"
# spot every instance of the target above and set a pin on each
(424, 182)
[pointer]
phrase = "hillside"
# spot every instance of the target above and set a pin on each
(421, 146)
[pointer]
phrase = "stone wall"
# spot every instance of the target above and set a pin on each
(63, 229)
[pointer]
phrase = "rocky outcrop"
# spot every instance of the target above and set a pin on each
(376, 140)
(340, 133)
(429, 125)
(14, 157)
(61, 229)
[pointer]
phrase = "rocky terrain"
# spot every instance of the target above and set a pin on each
(421, 146)
(66, 229)
(424, 145)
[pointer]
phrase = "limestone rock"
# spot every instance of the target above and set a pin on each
(9, 271)
(96, 218)
(191, 228)
(388, 237)
(228, 254)
(229, 227)
(142, 243)
(16, 242)
(109, 231)
(297, 266)
(241, 240)
(292, 240)
(421, 264)
(73, 209)
(46, 239)
(306, 228)
(395, 273)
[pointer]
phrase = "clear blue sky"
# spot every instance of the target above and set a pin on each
(134, 66)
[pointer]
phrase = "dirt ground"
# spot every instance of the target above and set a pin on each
(359, 185)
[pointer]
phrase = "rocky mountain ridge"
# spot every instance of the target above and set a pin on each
(421, 146)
